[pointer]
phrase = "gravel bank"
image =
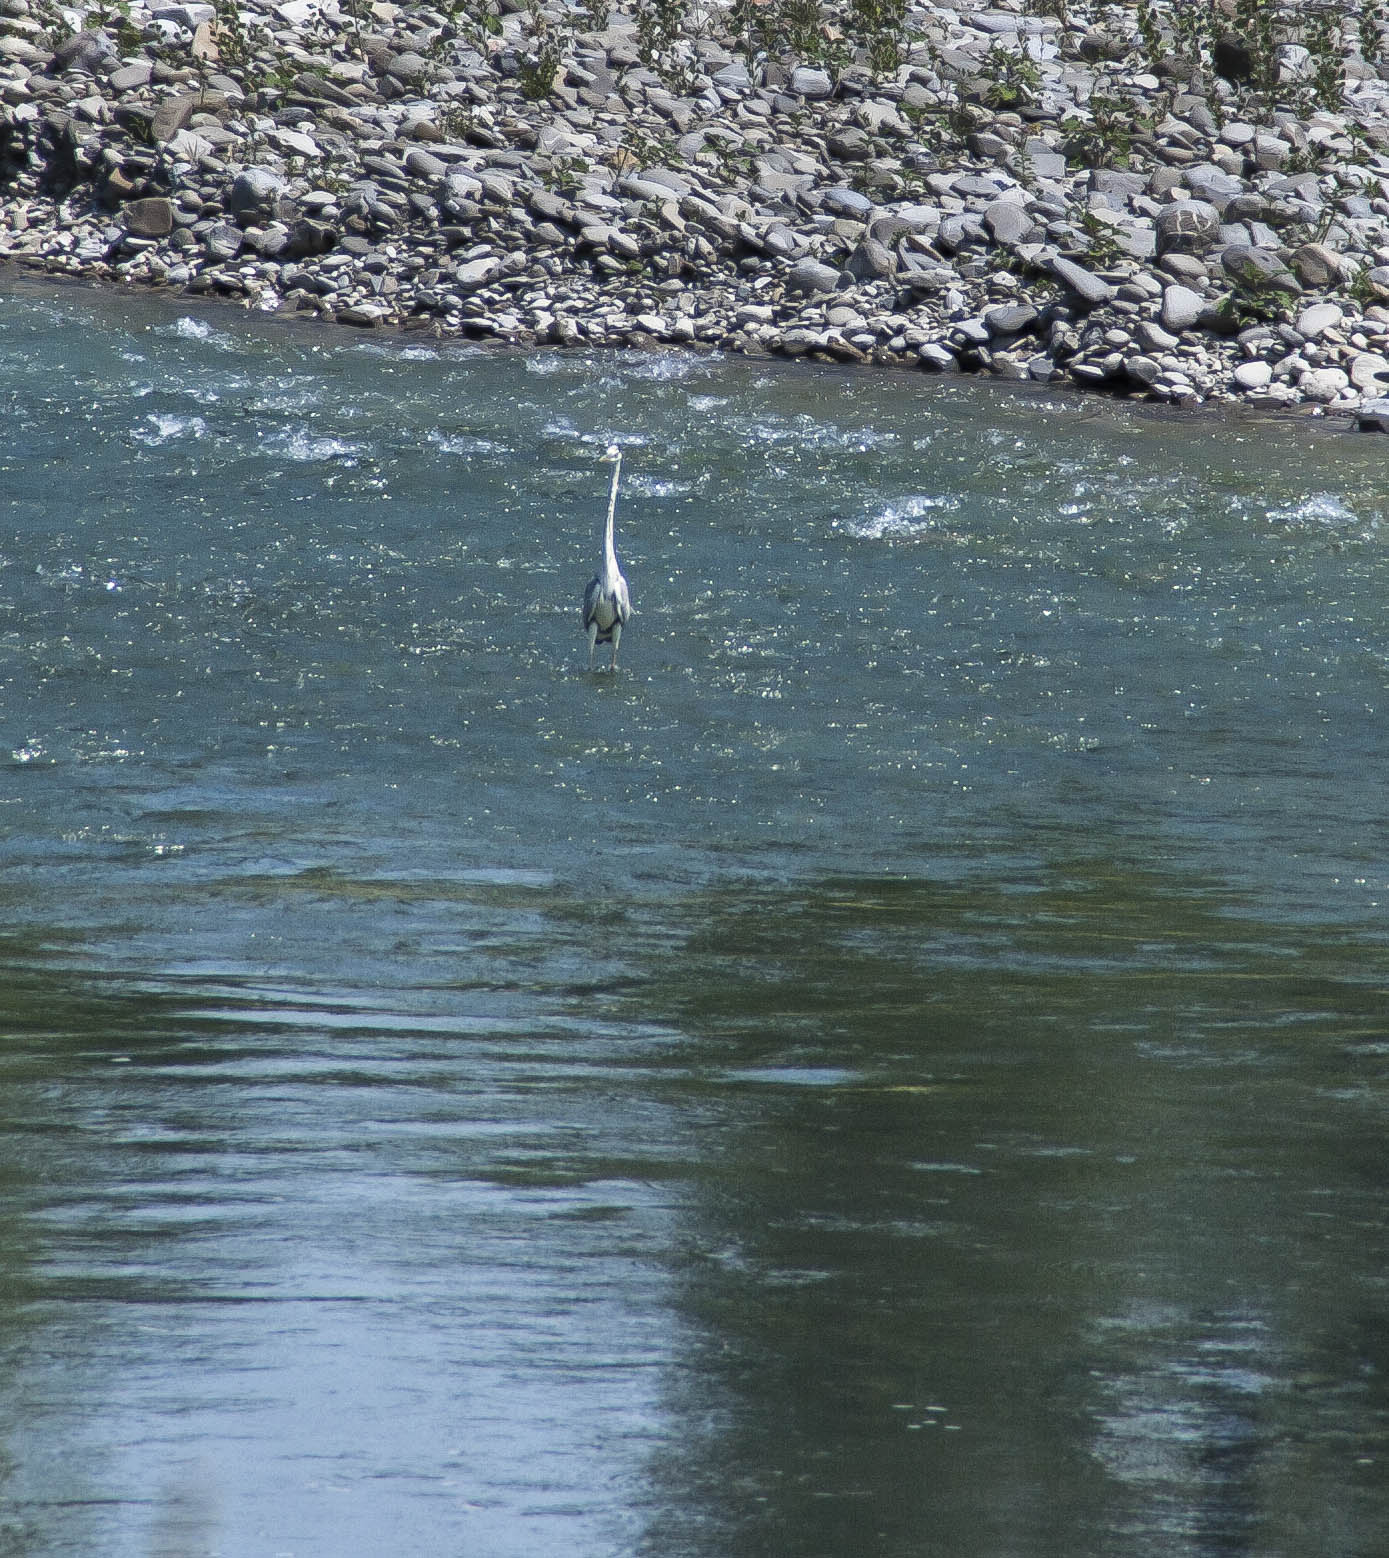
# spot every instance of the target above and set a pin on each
(1058, 198)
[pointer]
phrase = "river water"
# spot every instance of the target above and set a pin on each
(898, 1069)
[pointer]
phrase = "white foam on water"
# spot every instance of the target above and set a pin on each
(186, 328)
(165, 427)
(303, 447)
(1323, 511)
(654, 487)
(808, 432)
(464, 444)
(903, 520)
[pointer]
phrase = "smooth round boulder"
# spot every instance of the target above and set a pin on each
(812, 276)
(1187, 227)
(253, 193)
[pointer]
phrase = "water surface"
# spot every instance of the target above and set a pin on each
(897, 1069)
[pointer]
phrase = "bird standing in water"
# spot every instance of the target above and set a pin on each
(607, 600)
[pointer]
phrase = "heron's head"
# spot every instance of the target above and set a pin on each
(612, 454)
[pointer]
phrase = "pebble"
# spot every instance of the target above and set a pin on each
(1181, 308)
(1252, 375)
(397, 175)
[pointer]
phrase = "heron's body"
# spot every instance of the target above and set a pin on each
(607, 600)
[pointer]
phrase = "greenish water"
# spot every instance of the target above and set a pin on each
(898, 1069)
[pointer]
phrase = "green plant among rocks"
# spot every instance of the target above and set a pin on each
(1246, 305)
(1013, 78)
(1371, 22)
(1242, 44)
(881, 27)
(1150, 35)
(234, 49)
(539, 67)
(1361, 290)
(1323, 42)
(658, 37)
(1101, 249)
(595, 13)
(476, 22)
(115, 19)
(358, 13)
(456, 120)
(1193, 31)
(646, 150)
(775, 29)
(1105, 140)
(1058, 9)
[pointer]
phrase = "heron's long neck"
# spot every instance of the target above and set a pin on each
(609, 549)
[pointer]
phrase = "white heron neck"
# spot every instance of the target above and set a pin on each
(609, 548)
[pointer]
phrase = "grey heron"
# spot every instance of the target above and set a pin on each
(607, 600)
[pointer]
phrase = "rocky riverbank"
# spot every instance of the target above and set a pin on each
(1078, 197)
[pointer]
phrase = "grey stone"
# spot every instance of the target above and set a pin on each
(1119, 186)
(1153, 338)
(458, 186)
(939, 359)
(1008, 222)
(781, 242)
(1252, 375)
(668, 180)
(1010, 318)
(363, 315)
(849, 144)
(550, 207)
(1318, 319)
(1212, 185)
(1369, 372)
(1323, 384)
(843, 201)
(1317, 267)
(1185, 268)
(310, 236)
(733, 78)
(1261, 270)
(1088, 287)
(424, 164)
(130, 78)
(470, 275)
(957, 231)
(1181, 307)
(188, 146)
(977, 186)
(171, 116)
(925, 276)
(890, 229)
(919, 218)
(152, 217)
(871, 260)
(254, 192)
(88, 51)
(222, 242)
(410, 68)
(1044, 161)
(1187, 227)
(812, 276)
(187, 13)
(806, 81)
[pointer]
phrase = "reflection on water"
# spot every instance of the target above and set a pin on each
(898, 1070)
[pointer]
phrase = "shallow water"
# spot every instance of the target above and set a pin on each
(897, 1069)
